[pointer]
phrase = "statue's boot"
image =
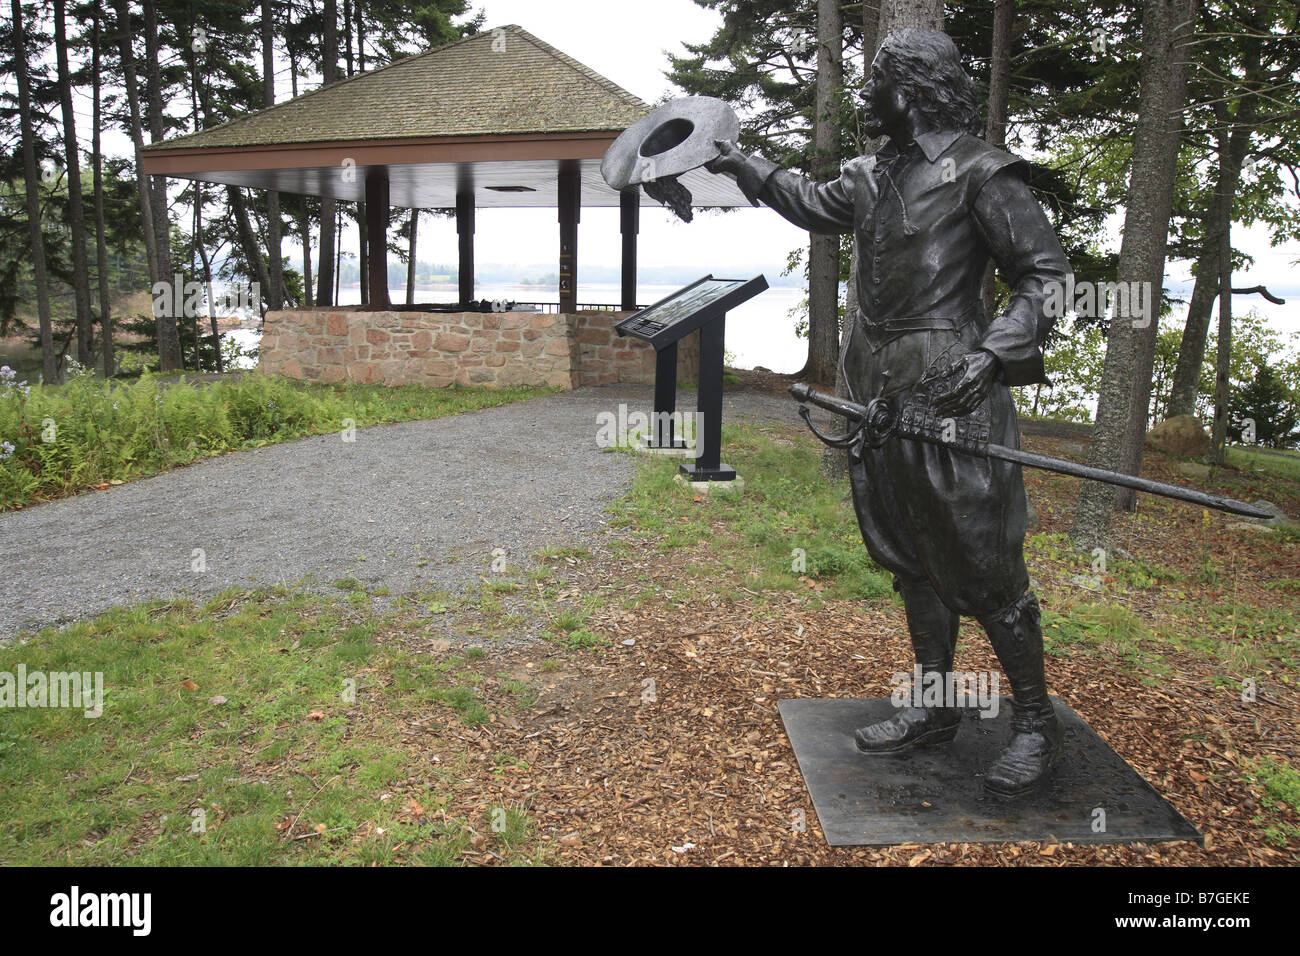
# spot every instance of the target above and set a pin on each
(1035, 729)
(933, 629)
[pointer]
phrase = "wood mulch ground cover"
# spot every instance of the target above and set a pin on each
(664, 746)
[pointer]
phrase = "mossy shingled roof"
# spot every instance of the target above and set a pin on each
(502, 81)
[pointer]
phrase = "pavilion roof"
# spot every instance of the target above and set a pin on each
(497, 114)
(503, 81)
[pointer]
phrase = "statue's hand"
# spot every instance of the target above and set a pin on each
(978, 370)
(731, 161)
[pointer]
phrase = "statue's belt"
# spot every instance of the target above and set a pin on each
(878, 335)
(911, 409)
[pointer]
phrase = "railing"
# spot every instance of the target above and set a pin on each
(581, 306)
(525, 306)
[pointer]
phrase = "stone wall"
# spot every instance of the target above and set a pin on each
(465, 348)
(606, 358)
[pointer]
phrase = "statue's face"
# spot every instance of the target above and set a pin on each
(883, 105)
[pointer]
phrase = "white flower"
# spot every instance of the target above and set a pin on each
(7, 384)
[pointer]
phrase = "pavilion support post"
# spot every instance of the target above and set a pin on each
(377, 237)
(465, 233)
(570, 202)
(629, 221)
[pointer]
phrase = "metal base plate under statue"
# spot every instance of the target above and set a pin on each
(936, 794)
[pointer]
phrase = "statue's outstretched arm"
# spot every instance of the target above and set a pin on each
(818, 207)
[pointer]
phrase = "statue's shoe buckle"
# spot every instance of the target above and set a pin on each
(912, 727)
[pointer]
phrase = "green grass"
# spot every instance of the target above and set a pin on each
(524, 694)
(1287, 534)
(1087, 622)
(566, 627)
(1142, 575)
(1109, 629)
(310, 736)
(1284, 465)
(790, 527)
(1247, 639)
(1280, 784)
(582, 638)
(89, 431)
(556, 552)
(568, 620)
(1240, 638)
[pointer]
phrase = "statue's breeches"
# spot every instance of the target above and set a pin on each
(932, 512)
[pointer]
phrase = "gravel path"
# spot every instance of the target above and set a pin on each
(516, 478)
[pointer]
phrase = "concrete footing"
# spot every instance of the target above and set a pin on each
(735, 487)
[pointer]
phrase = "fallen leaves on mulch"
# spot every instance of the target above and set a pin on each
(666, 747)
(699, 759)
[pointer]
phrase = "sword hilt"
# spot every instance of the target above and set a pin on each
(874, 422)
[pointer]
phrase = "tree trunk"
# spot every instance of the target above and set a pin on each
(49, 367)
(995, 129)
(347, 36)
(304, 221)
(1222, 385)
(1147, 336)
(247, 237)
(905, 14)
(154, 112)
(1163, 78)
(363, 252)
(304, 227)
(357, 6)
(132, 84)
(207, 276)
(196, 237)
(363, 234)
(275, 260)
(76, 207)
(169, 343)
(243, 225)
(1218, 219)
(97, 167)
(410, 257)
(824, 251)
(196, 233)
(870, 35)
(877, 22)
(338, 250)
(329, 73)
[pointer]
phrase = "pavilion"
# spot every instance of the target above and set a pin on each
(499, 119)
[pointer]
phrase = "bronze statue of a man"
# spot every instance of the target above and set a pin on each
(928, 212)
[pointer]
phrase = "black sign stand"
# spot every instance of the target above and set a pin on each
(708, 424)
(661, 435)
(701, 305)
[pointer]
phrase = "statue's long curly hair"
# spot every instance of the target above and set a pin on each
(926, 66)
